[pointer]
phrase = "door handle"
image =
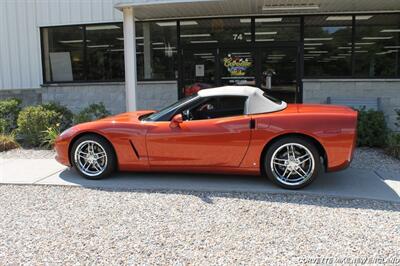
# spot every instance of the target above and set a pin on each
(252, 123)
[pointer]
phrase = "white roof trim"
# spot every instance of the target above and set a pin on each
(136, 3)
(256, 102)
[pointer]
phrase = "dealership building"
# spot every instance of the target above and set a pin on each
(145, 54)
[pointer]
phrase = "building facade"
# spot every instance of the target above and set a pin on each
(142, 54)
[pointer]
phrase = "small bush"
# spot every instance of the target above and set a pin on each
(50, 135)
(398, 118)
(7, 142)
(9, 110)
(33, 121)
(371, 128)
(66, 114)
(393, 145)
(92, 112)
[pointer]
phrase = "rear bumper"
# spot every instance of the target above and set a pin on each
(340, 167)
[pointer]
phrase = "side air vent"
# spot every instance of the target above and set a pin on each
(134, 149)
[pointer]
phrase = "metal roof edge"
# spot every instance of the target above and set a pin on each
(135, 3)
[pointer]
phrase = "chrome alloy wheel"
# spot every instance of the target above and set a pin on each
(292, 164)
(91, 158)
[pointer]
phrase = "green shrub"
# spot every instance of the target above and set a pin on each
(8, 142)
(66, 114)
(50, 135)
(393, 145)
(92, 112)
(33, 121)
(372, 129)
(9, 110)
(398, 118)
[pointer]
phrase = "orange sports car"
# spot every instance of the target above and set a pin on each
(233, 129)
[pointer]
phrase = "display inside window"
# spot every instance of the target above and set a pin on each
(238, 68)
(63, 53)
(327, 46)
(376, 47)
(156, 50)
(83, 53)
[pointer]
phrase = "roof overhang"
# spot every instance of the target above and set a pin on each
(182, 9)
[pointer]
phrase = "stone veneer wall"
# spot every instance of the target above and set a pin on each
(150, 95)
(318, 90)
(28, 96)
(77, 97)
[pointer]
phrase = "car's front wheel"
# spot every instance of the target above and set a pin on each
(292, 162)
(93, 157)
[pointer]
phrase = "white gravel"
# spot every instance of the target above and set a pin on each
(374, 159)
(70, 225)
(34, 153)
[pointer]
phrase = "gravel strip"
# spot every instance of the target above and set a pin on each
(374, 159)
(21, 153)
(69, 225)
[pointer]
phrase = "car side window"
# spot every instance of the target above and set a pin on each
(216, 107)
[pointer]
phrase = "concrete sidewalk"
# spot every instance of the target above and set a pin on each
(351, 183)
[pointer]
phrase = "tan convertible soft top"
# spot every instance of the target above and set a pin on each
(256, 103)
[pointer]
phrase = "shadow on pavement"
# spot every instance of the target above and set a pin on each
(352, 185)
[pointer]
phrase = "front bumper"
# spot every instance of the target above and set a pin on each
(62, 154)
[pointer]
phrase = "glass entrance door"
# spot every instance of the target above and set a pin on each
(278, 72)
(273, 69)
(199, 70)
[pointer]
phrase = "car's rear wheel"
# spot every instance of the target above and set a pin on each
(292, 162)
(93, 157)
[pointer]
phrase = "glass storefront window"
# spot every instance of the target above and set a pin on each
(215, 31)
(64, 50)
(377, 45)
(105, 52)
(63, 54)
(156, 50)
(327, 46)
(199, 70)
(222, 49)
(279, 72)
(275, 29)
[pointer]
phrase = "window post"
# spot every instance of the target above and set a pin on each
(353, 38)
(130, 58)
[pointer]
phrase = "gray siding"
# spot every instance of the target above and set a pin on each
(20, 20)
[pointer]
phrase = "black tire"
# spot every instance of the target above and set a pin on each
(279, 146)
(110, 158)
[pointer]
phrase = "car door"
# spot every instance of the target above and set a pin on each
(219, 136)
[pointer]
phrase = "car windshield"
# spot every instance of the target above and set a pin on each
(157, 115)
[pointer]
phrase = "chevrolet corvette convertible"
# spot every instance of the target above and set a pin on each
(232, 129)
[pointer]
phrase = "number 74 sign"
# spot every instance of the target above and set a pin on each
(238, 36)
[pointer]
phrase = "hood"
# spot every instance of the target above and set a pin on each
(127, 117)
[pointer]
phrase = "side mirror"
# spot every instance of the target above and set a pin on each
(176, 121)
